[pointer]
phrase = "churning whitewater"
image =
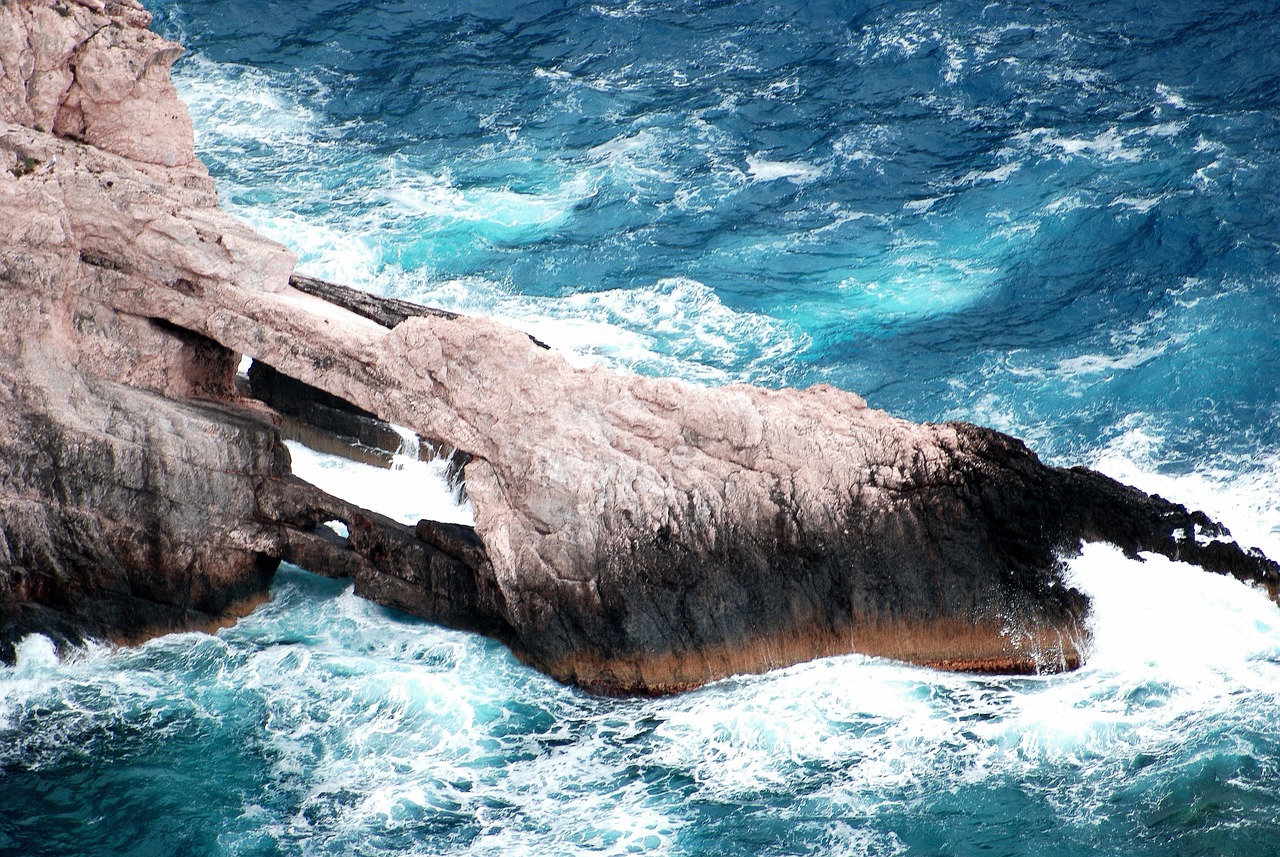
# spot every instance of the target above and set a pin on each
(1057, 221)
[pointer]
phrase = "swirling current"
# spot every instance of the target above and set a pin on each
(1057, 219)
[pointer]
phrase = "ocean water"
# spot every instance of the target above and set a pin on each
(1057, 219)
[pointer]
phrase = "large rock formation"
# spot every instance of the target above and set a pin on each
(126, 480)
(632, 535)
(644, 535)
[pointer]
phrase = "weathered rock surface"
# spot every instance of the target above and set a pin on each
(644, 535)
(632, 535)
(128, 466)
(92, 71)
(125, 513)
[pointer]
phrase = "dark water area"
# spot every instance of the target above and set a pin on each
(1057, 219)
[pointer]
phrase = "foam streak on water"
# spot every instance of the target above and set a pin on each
(1056, 219)
(331, 724)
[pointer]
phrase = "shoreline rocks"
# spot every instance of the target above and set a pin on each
(633, 535)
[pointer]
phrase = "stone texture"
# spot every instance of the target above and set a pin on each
(435, 569)
(124, 513)
(128, 463)
(92, 71)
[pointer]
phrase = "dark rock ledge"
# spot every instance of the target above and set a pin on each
(632, 535)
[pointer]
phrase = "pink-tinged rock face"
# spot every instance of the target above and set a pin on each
(130, 469)
(93, 72)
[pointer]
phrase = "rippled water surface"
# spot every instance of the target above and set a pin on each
(1059, 219)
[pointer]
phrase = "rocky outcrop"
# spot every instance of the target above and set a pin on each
(633, 535)
(125, 513)
(644, 535)
(90, 70)
(128, 468)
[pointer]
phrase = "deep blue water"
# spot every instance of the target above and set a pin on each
(1058, 219)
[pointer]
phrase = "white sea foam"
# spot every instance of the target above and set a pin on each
(676, 326)
(1171, 96)
(916, 281)
(995, 175)
(762, 169)
(35, 653)
(921, 206)
(639, 161)
(1131, 358)
(251, 105)
(501, 214)
(688, 328)
(1243, 495)
(1172, 619)
(335, 251)
(631, 9)
(846, 839)
(868, 147)
(697, 336)
(1109, 145)
(36, 659)
(786, 88)
(1065, 204)
(407, 491)
(494, 122)
(624, 145)
(700, 338)
(1139, 204)
(1165, 129)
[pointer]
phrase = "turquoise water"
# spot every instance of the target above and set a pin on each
(1056, 219)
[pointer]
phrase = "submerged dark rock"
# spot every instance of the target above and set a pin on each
(633, 535)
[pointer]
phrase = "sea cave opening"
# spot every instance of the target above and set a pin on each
(358, 457)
